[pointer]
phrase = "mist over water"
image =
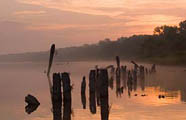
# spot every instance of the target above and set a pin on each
(19, 79)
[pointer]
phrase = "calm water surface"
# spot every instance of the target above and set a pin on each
(19, 79)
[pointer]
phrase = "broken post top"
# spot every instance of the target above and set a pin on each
(135, 64)
(92, 74)
(31, 100)
(118, 61)
(65, 78)
(84, 80)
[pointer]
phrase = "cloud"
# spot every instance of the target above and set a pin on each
(106, 7)
(16, 38)
(81, 6)
(130, 12)
(29, 12)
(38, 23)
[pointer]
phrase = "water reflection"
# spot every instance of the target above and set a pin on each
(166, 81)
(99, 82)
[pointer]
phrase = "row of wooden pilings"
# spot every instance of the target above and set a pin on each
(61, 79)
(98, 94)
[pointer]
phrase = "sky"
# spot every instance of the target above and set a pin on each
(33, 25)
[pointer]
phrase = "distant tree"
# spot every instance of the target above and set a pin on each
(158, 30)
(182, 28)
(168, 32)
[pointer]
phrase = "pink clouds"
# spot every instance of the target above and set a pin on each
(29, 12)
(75, 22)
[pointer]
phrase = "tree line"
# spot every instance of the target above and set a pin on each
(168, 44)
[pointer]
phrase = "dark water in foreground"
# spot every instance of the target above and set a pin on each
(19, 79)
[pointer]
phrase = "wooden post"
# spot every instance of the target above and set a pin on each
(92, 90)
(97, 84)
(129, 82)
(118, 61)
(83, 93)
(136, 66)
(67, 99)
(104, 94)
(153, 69)
(146, 70)
(52, 51)
(32, 105)
(135, 80)
(111, 79)
(118, 76)
(142, 77)
(56, 97)
(124, 76)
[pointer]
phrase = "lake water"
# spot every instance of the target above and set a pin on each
(19, 79)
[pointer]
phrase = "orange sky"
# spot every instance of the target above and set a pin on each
(32, 25)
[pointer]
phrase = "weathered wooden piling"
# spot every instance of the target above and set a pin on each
(111, 82)
(56, 97)
(52, 51)
(118, 76)
(142, 70)
(92, 91)
(32, 103)
(153, 69)
(118, 61)
(136, 66)
(146, 70)
(118, 71)
(104, 94)
(111, 79)
(142, 77)
(129, 82)
(67, 98)
(30, 99)
(135, 80)
(97, 83)
(124, 76)
(83, 92)
(31, 108)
